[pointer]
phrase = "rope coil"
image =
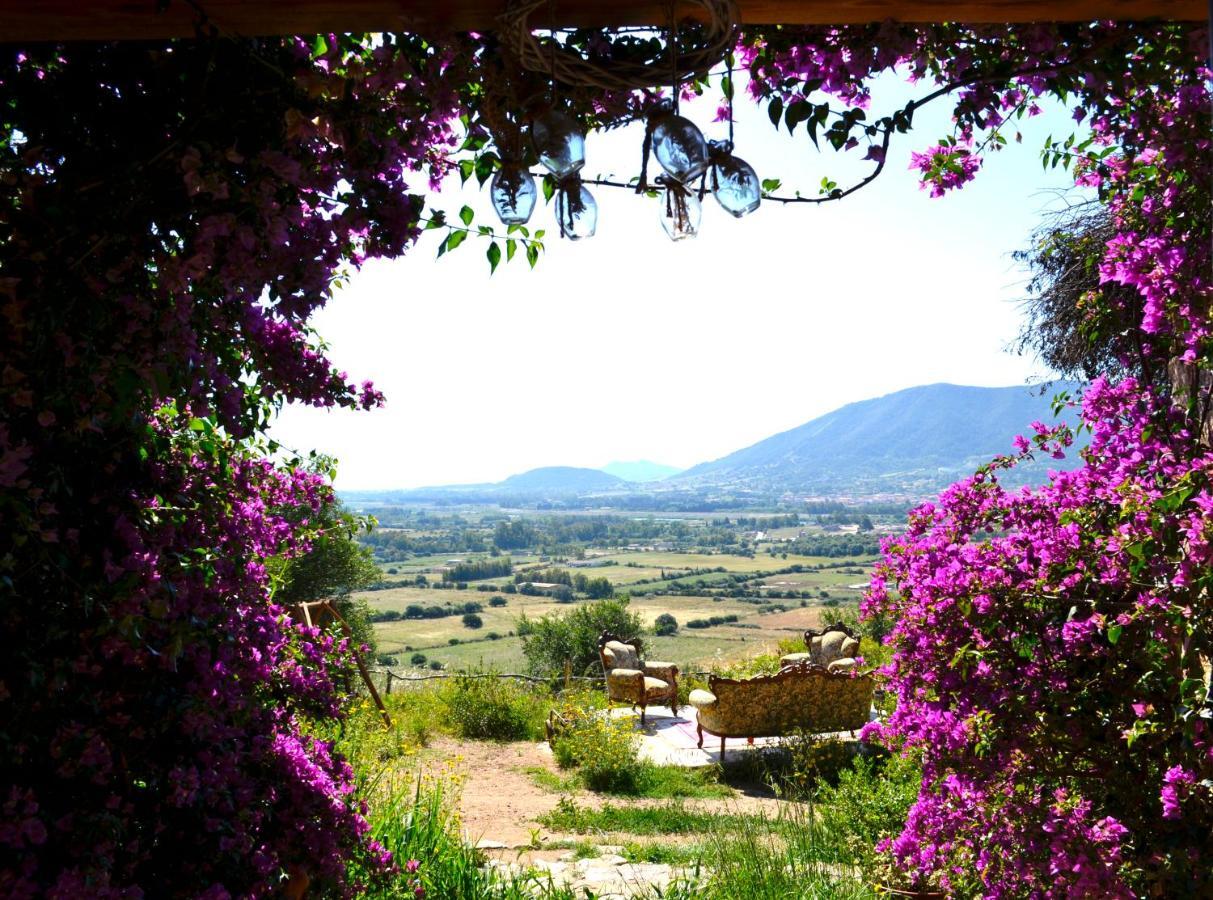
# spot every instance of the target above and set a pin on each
(715, 41)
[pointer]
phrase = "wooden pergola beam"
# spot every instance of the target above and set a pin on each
(63, 20)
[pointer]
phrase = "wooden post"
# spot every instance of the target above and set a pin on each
(326, 607)
(387, 690)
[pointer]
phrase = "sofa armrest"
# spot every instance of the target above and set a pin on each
(701, 699)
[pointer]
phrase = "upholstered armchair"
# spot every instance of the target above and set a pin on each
(834, 648)
(631, 680)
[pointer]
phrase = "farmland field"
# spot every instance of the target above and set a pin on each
(759, 625)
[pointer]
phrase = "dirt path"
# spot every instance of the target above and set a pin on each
(501, 801)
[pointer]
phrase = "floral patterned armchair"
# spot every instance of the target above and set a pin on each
(631, 680)
(833, 648)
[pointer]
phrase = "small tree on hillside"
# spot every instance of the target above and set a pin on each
(335, 567)
(551, 641)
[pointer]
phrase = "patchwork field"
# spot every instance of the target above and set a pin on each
(449, 642)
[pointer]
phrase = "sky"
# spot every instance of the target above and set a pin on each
(629, 346)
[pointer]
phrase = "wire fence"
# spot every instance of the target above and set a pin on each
(391, 677)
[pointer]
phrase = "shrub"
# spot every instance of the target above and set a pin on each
(493, 708)
(417, 659)
(497, 601)
(665, 624)
(386, 659)
(604, 749)
(471, 620)
(435, 665)
(552, 640)
(868, 804)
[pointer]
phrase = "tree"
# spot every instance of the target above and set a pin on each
(665, 624)
(334, 567)
(551, 641)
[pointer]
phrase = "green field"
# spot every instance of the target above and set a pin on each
(692, 649)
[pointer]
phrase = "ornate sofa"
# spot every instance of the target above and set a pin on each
(803, 696)
(833, 647)
(631, 680)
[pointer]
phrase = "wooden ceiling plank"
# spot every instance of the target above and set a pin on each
(23, 20)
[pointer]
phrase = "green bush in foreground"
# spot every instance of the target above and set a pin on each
(490, 708)
(604, 750)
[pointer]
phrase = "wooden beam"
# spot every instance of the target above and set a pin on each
(69, 20)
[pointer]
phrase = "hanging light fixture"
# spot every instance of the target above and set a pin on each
(576, 211)
(559, 143)
(678, 143)
(513, 193)
(681, 210)
(735, 184)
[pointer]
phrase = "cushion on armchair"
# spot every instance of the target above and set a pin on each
(832, 645)
(620, 655)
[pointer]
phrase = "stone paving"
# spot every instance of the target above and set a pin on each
(607, 876)
(668, 739)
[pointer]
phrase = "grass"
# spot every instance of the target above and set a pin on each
(653, 782)
(771, 860)
(412, 820)
(667, 818)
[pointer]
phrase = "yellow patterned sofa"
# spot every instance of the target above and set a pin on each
(803, 696)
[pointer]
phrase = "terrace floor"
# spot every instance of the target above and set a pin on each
(668, 739)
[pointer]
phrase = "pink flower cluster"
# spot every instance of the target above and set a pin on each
(1048, 643)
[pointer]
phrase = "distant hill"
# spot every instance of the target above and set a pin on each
(562, 479)
(912, 440)
(641, 470)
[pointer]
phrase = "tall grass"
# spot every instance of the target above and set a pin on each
(785, 858)
(413, 820)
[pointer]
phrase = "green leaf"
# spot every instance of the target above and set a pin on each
(549, 187)
(466, 215)
(770, 185)
(511, 247)
(532, 254)
(494, 256)
(1114, 632)
(775, 111)
(455, 238)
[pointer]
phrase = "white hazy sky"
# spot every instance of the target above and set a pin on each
(629, 346)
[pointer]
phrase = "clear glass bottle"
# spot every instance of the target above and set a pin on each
(735, 184)
(559, 143)
(513, 194)
(576, 211)
(681, 212)
(678, 145)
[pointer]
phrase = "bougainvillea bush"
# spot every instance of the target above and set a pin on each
(1052, 645)
(171, 216)
(173, 213)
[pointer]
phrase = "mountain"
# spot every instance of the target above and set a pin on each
(914, 440)
(562, 479)
(640, 470)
